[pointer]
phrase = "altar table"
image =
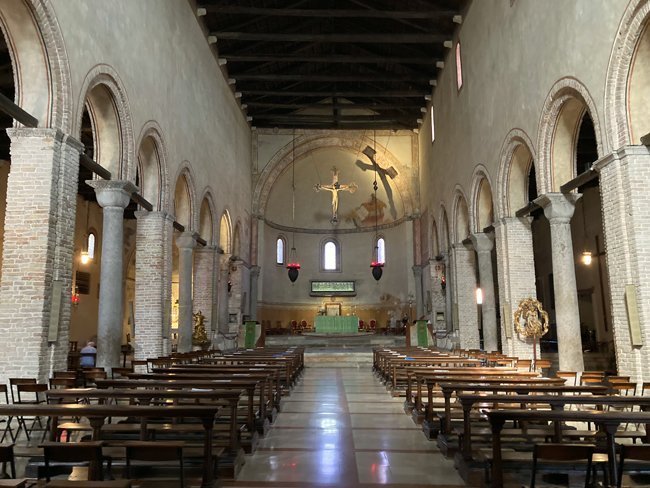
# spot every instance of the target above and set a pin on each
(340, 324)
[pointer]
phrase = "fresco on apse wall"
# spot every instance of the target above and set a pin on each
(334, 190)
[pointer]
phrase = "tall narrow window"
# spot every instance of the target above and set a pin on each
(381, 250)
(280, 247)
(330, 258)
(90, 246)
(433, 126)
(459, 67)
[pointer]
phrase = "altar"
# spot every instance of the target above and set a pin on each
(337, 324)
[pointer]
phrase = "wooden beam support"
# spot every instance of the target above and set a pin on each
(578, 181)
(344, 94)
(330, 13)
(88, 163)
(271, 58)
(340, 106)
(645, 140)
(322, 118)
(332, 38)
(333, 78)
(15, 112)
(527, 210)
(143, 202)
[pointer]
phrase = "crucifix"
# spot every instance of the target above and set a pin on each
(384, 174)
(335, 188)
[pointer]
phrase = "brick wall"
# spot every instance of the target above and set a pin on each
(204, 293)
(465, 286)
(38, 249)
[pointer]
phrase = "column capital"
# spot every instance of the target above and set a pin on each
(186, 240)
(15, 133)
(113, 193)
(154, 214)
(482, 241)
(558, 207)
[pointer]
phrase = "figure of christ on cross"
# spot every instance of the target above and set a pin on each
(335, 188)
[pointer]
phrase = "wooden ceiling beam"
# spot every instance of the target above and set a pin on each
(331, 78)
(330, 13)
(343, 94)
(341, 106)
(240, 58)
(397, 38)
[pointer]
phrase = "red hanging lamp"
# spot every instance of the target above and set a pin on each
(293, 265)
(376, 264)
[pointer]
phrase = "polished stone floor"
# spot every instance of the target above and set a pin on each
(340, 427)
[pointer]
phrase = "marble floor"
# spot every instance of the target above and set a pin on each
(340, 427)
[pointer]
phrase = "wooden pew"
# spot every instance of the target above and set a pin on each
(96, 415)
(607, 421)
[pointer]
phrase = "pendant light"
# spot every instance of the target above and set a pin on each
(375, 264)
(293, 265)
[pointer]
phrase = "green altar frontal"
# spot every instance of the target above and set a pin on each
(336, 324)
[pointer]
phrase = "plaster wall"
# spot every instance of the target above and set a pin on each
(170, 75)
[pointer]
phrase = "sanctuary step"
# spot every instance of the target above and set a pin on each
(331, 358)
(367, 341)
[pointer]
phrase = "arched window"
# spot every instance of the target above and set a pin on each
(280, 250)
(90, 245)
(433, 126)
(381, 250)
(330, 256)
(459, 67)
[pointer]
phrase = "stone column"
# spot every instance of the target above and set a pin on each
(204, 291)
(516, 268)
(113, 197)
(38, 252)
(483, 244)
(224, 277)
(438, 296)
(419, 295)
(151, 282)
(558, 208)
(255, 273)
(448, 291)
(185, 243)
(625, 202)
(465, 285)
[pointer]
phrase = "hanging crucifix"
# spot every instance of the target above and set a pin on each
(335, 188)
(384, 174)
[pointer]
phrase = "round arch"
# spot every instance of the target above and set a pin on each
(443, 220)
(236, 240)
(482, 205)
(628, 78)
(104, 96)
(306, 144)
(435, 241)
(461, 223)
(40, 65)
(515, 163)
(152, 166)
(184, 198)
(207, 225)
(225, 232)
(562, 114)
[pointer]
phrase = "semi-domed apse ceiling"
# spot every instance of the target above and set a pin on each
(334, 190)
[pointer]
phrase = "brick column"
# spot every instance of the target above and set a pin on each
(438, 295)
(624, 177)
(38, 251)
(447, 258)
(516, 268)
(113, 197)
(152, 286)
(558, 209)
(186, 243)
(419, 295)
(483, 245)
(224, 276)
(205, 259)
(465, 294)
(255, 274)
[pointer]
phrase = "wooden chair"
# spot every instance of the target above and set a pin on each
(120, 372)
(563, 452)
(140, 362)
(524, 364)
(91, 376)
(7, 429)
(35, 395)
(89, 453)
(64, 374)
(62, 383)
(570, 376)
(628, 453)
(7, 457)
(542, 365)
(155, 452)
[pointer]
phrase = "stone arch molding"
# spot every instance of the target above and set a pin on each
(481, 174)
(153, 130)
(459, 196)
(39, 61)
(306, 144)
(206, 195)
(105, 75)
(562, 91)
(443, 228)
(630, 29)
(185, 171)
(512, 142)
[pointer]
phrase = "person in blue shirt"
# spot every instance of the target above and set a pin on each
(88, 355)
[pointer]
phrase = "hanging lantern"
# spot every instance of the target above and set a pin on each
(377, 270)
(293, 266)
